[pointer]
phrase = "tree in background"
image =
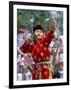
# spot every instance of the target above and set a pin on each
(30, 18)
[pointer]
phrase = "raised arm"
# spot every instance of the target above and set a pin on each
(50, 35)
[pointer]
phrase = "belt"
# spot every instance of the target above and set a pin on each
(45, 62)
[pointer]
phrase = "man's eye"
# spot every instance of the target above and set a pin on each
(37, 31)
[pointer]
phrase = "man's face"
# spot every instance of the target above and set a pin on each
(23, 30)
(38, 33)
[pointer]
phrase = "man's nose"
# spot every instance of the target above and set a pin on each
(38, 33)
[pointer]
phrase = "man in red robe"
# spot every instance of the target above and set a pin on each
(41, 55)
(41, 52)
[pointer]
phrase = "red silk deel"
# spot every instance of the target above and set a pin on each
(40, 53)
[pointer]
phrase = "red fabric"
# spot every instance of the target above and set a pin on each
(45, 73)
(27, 48)
(43, 69)
(40, 52)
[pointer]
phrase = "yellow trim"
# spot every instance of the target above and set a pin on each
(45, 62)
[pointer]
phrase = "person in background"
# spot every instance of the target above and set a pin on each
(21, 36)
(26, 50)
(60, 61)
(20, 41)
(57, 60)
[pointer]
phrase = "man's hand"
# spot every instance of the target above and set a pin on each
(27, 54)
